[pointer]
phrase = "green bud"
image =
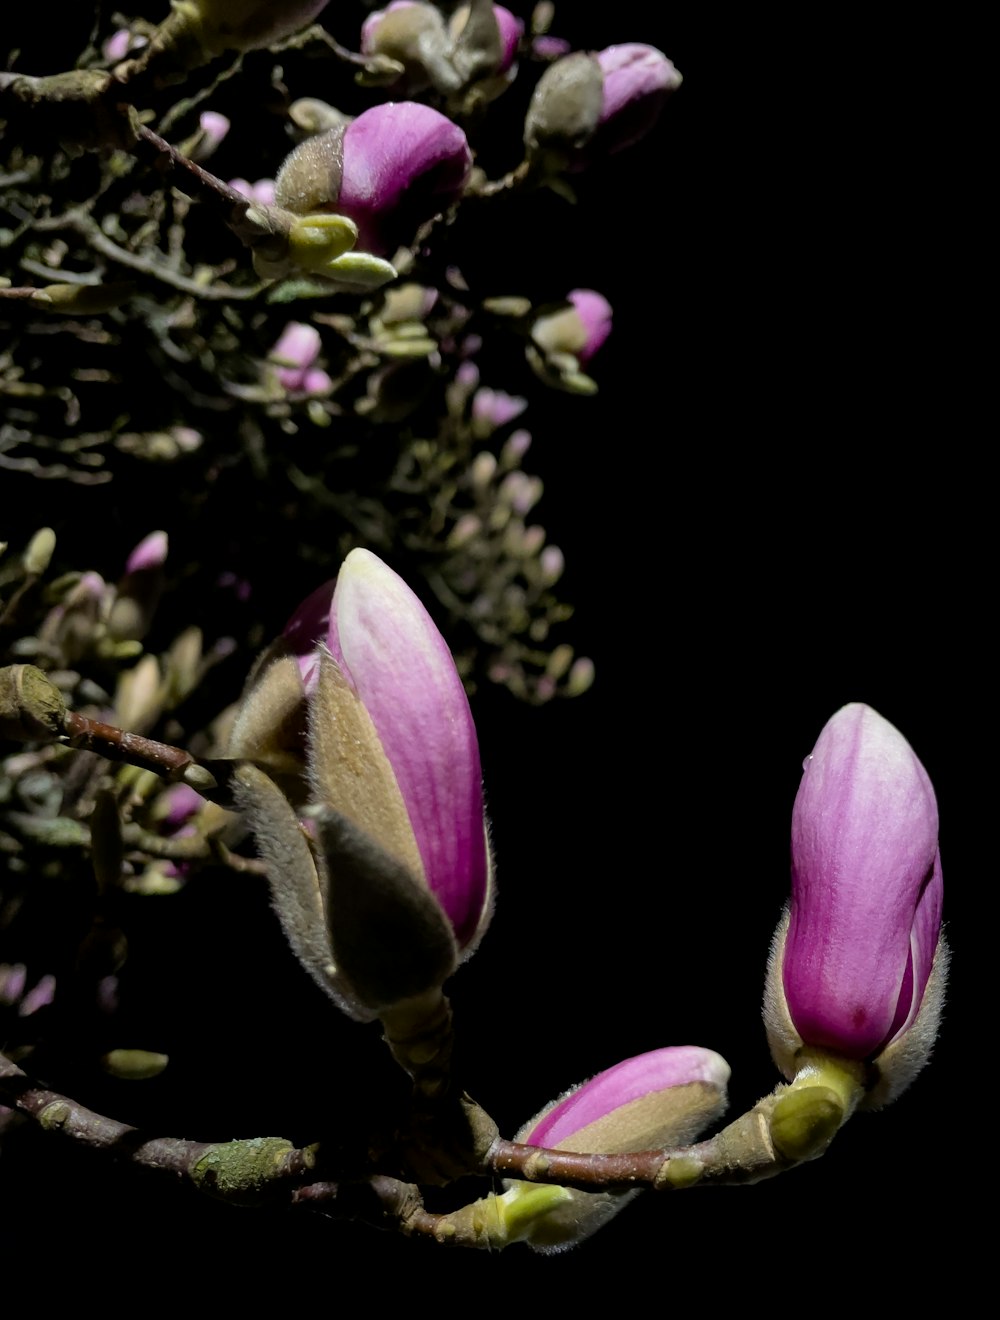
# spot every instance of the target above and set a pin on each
(39, 551)
(84, 299)
(134, 1065)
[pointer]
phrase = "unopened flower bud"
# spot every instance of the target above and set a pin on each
(139, 590)
(214, 128)
(664, 1098)
(858, 963)
(390, 170)
(241, 25)
(578, 330)
(294, 353)
(566, 105)
(637, 81)
(395, 775)
(414, 36)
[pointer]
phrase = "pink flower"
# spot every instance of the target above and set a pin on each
(594, 312)
(637, 81)
(664, 1098)
(853, 968)
(296, 352)
(388, 649)
(390, 170)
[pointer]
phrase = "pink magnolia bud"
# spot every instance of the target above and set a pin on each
(594, 312)
(494, 408)
(388, 649)
(587, 107)
(579, 329)
(858, 963)
(150, 553)
(390, 170)
(387, 646)
(511, 30)
(214, 127)
(637, 81)
(295, 352)
(120, 43)
(664, 1098)
(262, 191)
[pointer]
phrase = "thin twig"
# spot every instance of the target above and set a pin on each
(116, 744)
(244, 1172)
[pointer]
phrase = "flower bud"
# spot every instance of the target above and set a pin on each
(858, 962)
(663, 1098)
(586, 107)
(566, 106)
(403, 887)
(214, 128)
(139, 590)
(413, 35)
(579, 329)
(221, 25)
(295, 353)
(390, 170)
(637, 81)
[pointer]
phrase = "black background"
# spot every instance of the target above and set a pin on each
(775, 505)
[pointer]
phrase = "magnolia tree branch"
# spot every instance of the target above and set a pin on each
(267, 1168)
(238, 1171)
(116, 744)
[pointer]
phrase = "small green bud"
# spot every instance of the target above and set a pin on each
(134, 1065)
(84, 299)
(39, 552)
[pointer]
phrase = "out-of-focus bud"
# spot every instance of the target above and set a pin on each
(390, 170)
(134, 1065)
(492, 409)
(579, 329)
(295, 353)
(83, 299)
(565, 108)
(637, 81)
(39, 551)
(119, 44)
(401, 882)
(563, 341)
(241, 25)
(485, 41)
(858, 963)
(418, 51)
(261, 192)
(586, 107)
(139, 696)
(139, 590)
(550, 48)
(413, 36)
(214, 128)
(663, 1098)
